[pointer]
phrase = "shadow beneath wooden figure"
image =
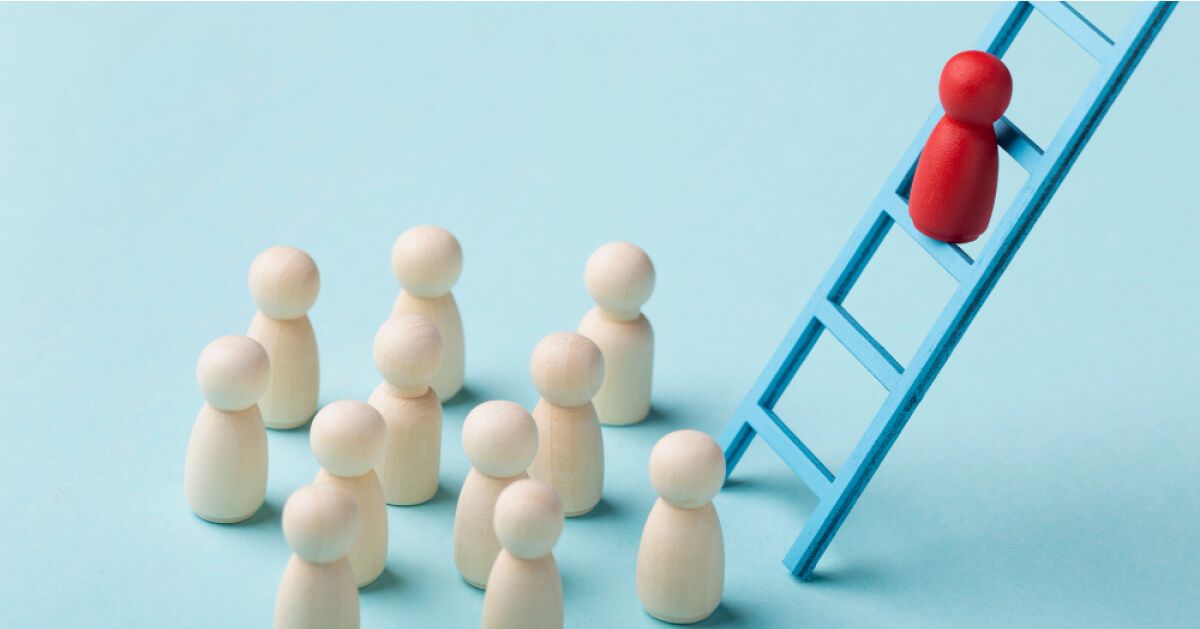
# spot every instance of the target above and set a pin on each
(469, 396)
(267, 514)
(443, 495)
(464, 584)
(727, 615)
(388, 580)
(299, 432)
(659, 418)
(603, 509)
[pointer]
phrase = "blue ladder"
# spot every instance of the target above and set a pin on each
(906, 385)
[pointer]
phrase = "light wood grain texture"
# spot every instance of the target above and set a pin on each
(524, 587)
(620, 278)
(225, 472)
(284, 282)
(317, 590)
(567, 370)
(681, 558)
(427, 261)
(500, 440)
(408, 352)
(347, 439)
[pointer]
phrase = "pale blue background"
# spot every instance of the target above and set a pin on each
(148, 152)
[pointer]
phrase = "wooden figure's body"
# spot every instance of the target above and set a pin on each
(320, 522)
(620, 277)
(500, 439)
(681, 558)
(954, 185)
(523, 594)
(427, 261)
(628, 348)
(225, 475)
(347, 439)
(225, 472)
(681, 563)
(567, 370)
(570, 456)
(412, 456)
(443, 311)
(524, 589)
(369, 553)
(284, 282)
(317, 596)
(475, 543)
(291, 397)
(408, 353)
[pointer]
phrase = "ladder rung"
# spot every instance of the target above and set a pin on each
(861, 344)
(1078, 28)
(786, 444)
(950, 256)
(1018, 145)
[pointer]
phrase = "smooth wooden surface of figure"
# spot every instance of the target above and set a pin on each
(523, 594)
(570, 455)
(681, 563)
(500, 440)
(524, 588)
(225, 472)
(628, 348)
(681, 557)
(954, 186)
(427, 261)
(317, 596)
(408, 354)
(347, 439)
(620, 278)
(317, 590)
(284, 282)
(368, 556)
(567, 370)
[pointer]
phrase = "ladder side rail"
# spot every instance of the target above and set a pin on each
(865, 459)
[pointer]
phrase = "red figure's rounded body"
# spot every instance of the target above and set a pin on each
(954, 187)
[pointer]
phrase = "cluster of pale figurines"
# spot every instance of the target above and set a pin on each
(528, 470)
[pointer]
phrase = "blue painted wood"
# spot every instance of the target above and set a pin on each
(1078, 28)
(907, 385)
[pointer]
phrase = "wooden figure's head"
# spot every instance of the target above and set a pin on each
(567, 369)
(528, 519)
(233, 372)
(427, 261)
(348, 438)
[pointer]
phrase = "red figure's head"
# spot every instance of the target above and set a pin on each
(975, 87)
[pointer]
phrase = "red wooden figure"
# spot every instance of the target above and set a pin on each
(954, 187)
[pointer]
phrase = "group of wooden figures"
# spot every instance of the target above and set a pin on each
(528, 470)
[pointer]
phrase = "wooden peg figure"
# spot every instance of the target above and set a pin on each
(954, 186)
(347, 439)
(620, 277)
(524, 588)
(427, 261)
(567, 370)
(284, 282)
(408, 352)
(225, 473)
(681, 559)
(320, 523)
(500, 439)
